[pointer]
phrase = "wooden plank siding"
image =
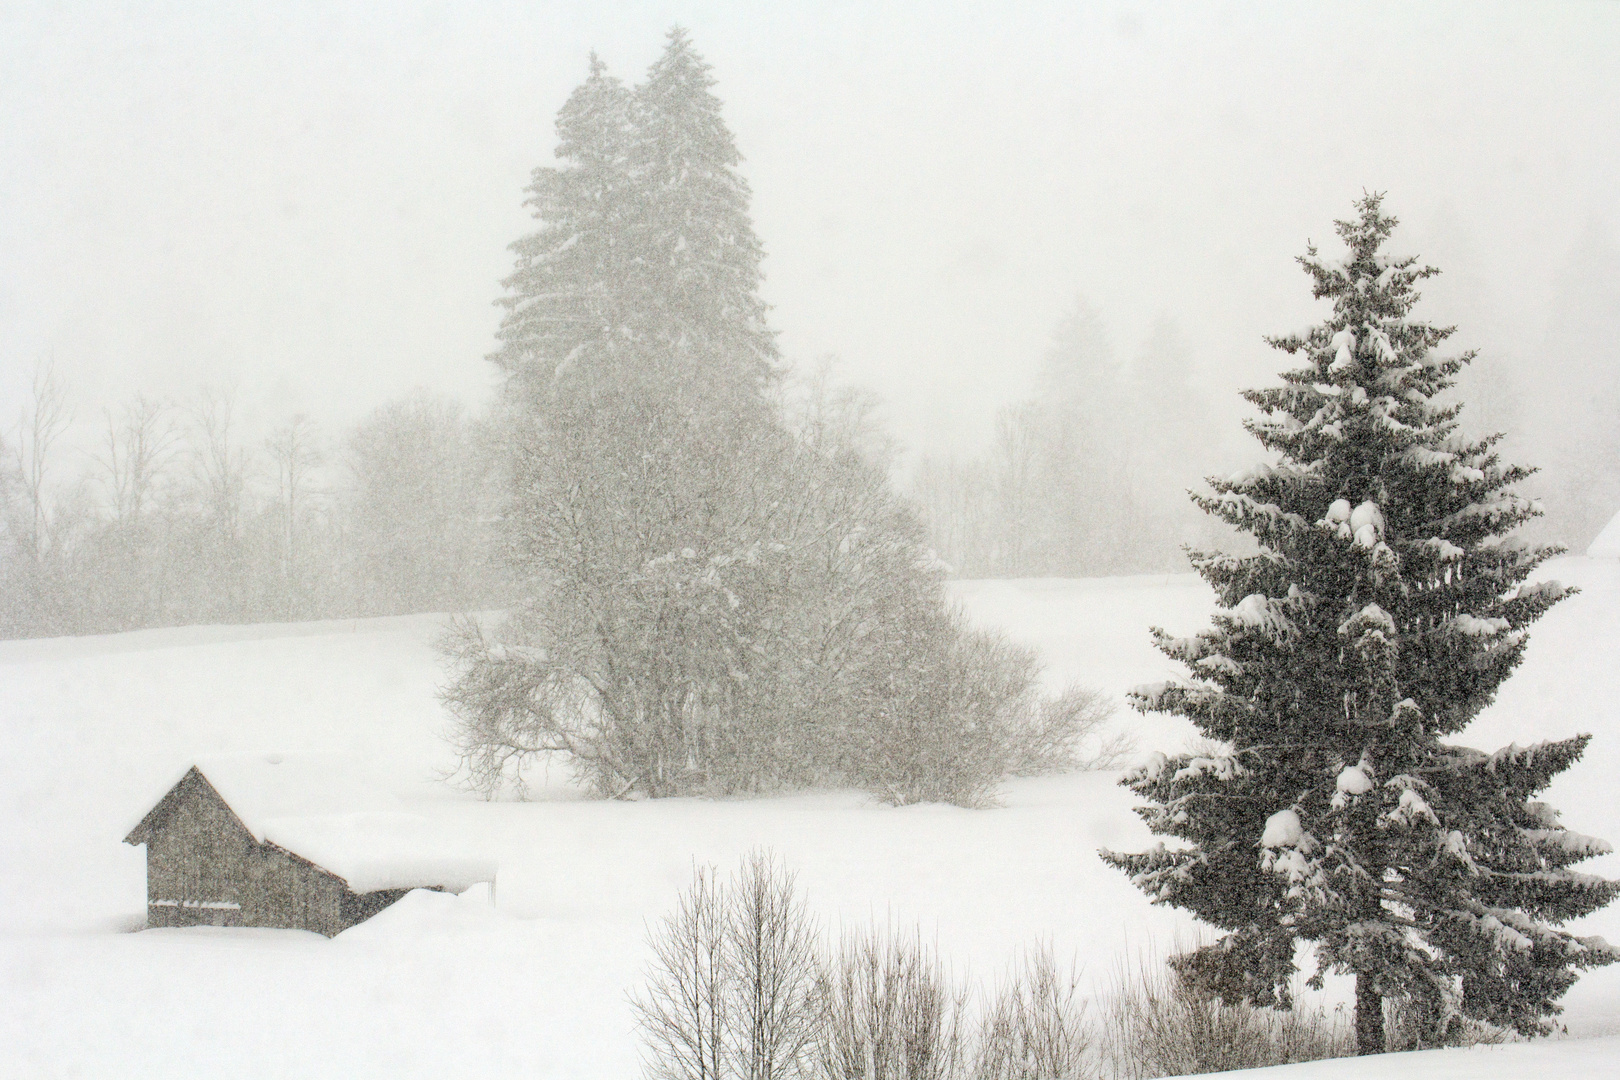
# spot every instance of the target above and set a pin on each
(204, 867)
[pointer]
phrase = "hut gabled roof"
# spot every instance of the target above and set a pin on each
(321, 807)
(156, 817)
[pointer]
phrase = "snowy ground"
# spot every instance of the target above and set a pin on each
(536, 982)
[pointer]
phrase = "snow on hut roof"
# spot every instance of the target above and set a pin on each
(262, 788)
(1607, 544)
(323, 807)
(380, 851)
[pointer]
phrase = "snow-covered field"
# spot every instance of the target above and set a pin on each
(536, 982)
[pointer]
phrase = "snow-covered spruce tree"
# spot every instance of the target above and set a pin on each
(563, 297)
(695, 277)
(646, 458)
(1386, 605)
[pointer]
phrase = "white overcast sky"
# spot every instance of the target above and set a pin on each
(312, 202)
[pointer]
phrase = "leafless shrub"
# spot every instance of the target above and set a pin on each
(1154, 1023)
(1068, 733)
(685, 1013)
(974, 716)
(734, 988)
(1410, 1025)
(949, 737)
(772, 964)
(1034, 1028)
(891, 1013)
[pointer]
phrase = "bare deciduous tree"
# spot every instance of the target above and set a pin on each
(837, 419)
(42, 422)
(137, 445)
(685, 1014)
(296, 453)
(734, 988)
(772, 963)
(221, 465)
(892, 1010)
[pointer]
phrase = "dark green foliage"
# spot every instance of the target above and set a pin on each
(1388, 601)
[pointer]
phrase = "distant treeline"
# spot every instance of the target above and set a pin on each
(1089, 476)
(171, 519)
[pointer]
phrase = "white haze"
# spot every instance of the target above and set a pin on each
(312, 202)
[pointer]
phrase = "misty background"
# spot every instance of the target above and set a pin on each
(256, 253)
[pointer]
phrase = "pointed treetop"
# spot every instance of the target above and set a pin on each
(1381, 283)
(680, 64)
(591, 123)
(1374, 225)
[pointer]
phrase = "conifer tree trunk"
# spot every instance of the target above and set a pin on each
(1369, 1015)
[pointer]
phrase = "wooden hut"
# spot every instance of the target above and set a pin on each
(285, 841)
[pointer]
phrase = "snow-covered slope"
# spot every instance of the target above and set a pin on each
(1606, 545)
(1563, 1059)
(535, 980)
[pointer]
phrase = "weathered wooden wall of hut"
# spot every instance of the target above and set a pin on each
(204, 868)
(195, 861)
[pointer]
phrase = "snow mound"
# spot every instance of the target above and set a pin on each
(1353, 781)
(424, 912)
(1283, 829)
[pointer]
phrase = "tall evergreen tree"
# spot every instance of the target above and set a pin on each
(697, 259)
(1388, 602)
(563, 302)
(701, 612)
(1086, 441)
(637, 357)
